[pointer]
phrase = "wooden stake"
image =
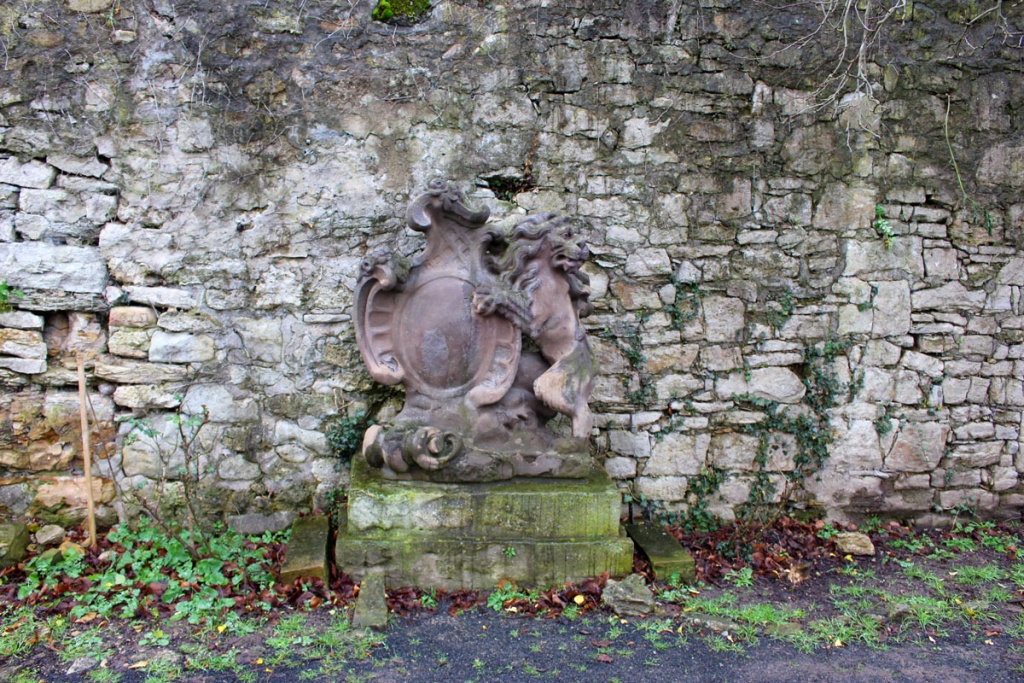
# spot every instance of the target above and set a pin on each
(86, 452)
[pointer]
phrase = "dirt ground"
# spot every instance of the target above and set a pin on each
(928, 606)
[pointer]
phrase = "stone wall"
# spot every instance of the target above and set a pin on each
(786, 265)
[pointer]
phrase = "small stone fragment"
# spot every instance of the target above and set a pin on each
(854, 543)
(306, 554)
(667, 556)
(629, 597)
(81, 665)
(51, 534)
(371, 609)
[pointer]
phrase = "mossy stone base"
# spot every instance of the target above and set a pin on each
(452, 536)
(544, 508)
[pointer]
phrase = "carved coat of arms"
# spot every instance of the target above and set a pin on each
(483, 331)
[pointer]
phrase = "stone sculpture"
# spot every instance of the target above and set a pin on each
(450, 327)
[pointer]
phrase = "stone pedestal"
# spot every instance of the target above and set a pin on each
(451, 536)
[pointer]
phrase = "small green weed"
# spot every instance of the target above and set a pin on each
(883, 227)
(974, 575)
(960, 545)
(741, 578)
(6, 294)
(17, 633)
(505, 593)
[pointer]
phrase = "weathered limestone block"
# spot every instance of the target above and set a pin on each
(753, 262)
(918, 448)
(1003, 163)
(724, 318)
(15, 496)
(881, 353)
(7, 225)
(790, 209)
(43, 431)
(772, 384)
(879, 385)
(288, 432)
(908, 388)
(50, 535)
(676, 386)
(950, 297)
(979, 499)
(25, 366)
(678, 454)
(805, 326)
(1012, 273)
(854, 319)
(1003, 478)
(978, 454)
(152, 451)
(35, 265)
(60, 206)
(132, 316)
(843, 207)
(635, 297)
(22, 343)
(63, 500)
(953, 478)
(922, 363)
(808, 150)
(21, 320)
(263, 338)
(736, 203)
(636, 444)
(192, 322)
(32, 174)
(662, 488)
(942, 264)
(220, 401)
(123, 371)
(891, 306)
(976, 431)
(164, 297)
(87, 166)
(237, 468)
(837, 489)
(648, 262)
(278, 287)
(180, 347)
(130, 342)
(864, 257)
(733, 451)
(371, 610)
(721, 358)
(857, 447)
(146, 396)
(620, 468)
(75, 332)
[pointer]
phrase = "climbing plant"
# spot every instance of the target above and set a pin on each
(810, 429)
